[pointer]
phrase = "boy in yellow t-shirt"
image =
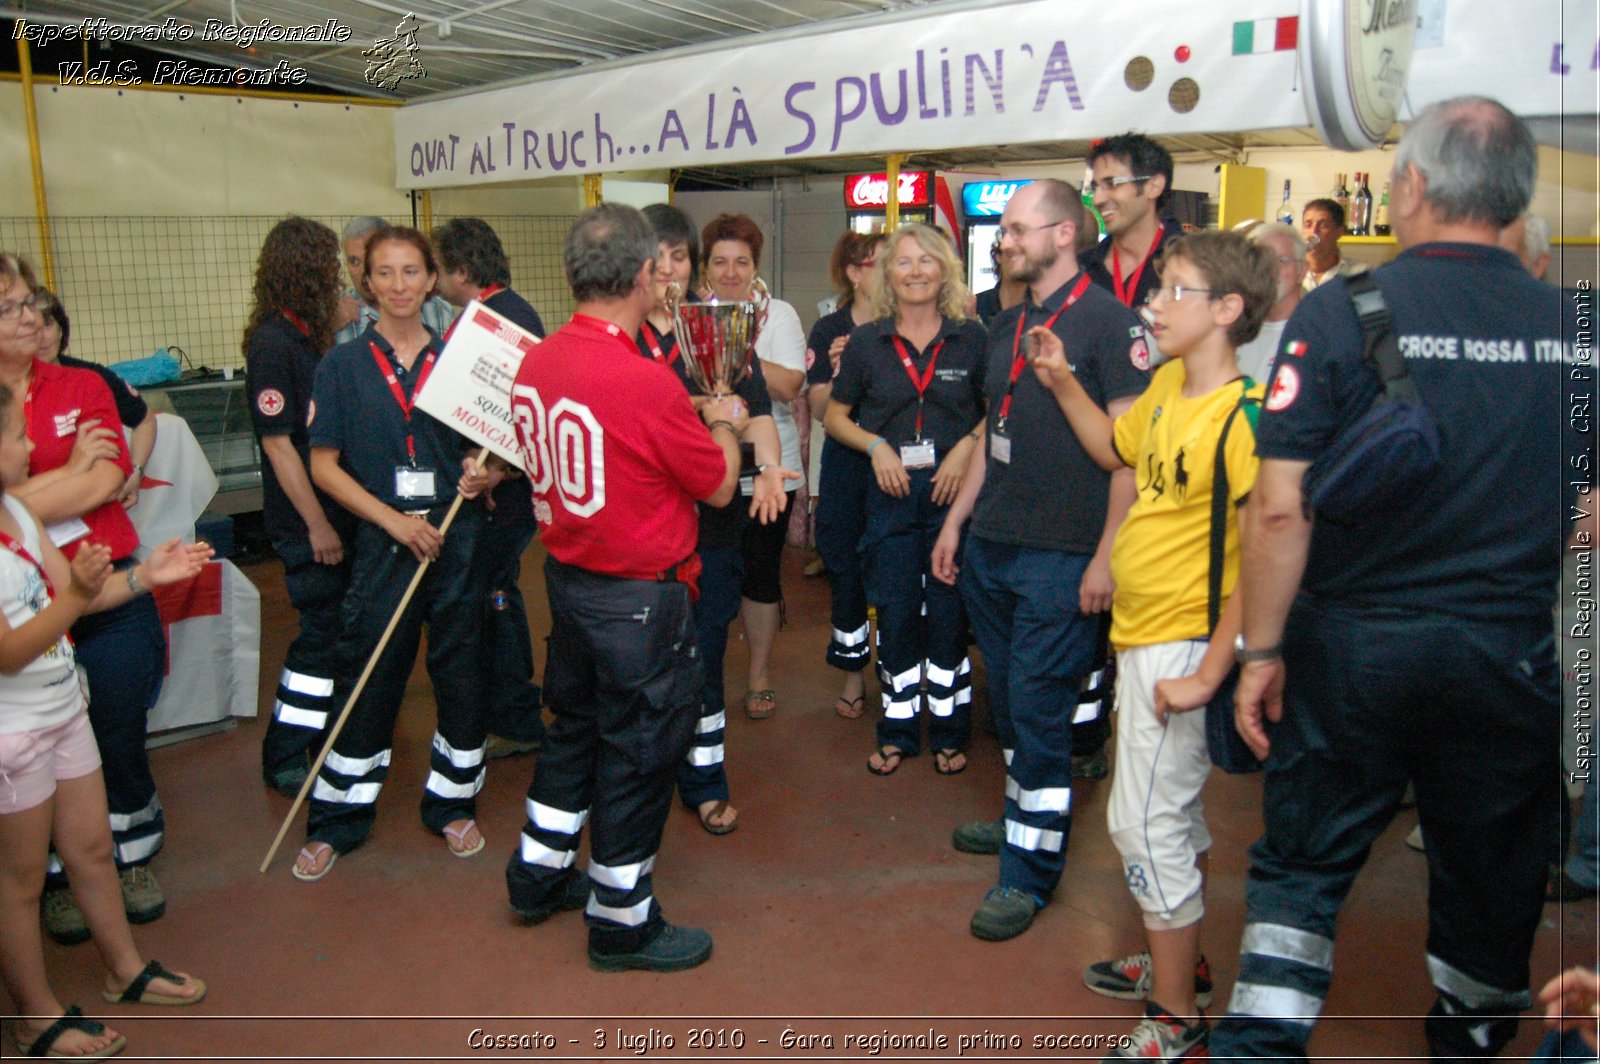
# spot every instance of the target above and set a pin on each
(1215, 292)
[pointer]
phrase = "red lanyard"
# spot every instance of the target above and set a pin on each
(653, 339)
(297, 322)
(386, 368)
(1017, 359)
(919, 383)
(9, 542)
(589, 321)
(1126, 294)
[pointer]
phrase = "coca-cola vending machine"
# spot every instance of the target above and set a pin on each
(867, 195)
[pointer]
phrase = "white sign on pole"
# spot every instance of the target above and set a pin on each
(470, 386)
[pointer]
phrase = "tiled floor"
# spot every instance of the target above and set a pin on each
(838, 907)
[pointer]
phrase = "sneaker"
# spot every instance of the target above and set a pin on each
(1415, 841)
(499, 746)
(672, 950)
(1005, 913)
(142, 898)
(1093, 766)
(980, 836)
(63, 920)
(1129, 979)
(1162, 1036)
(576, 896)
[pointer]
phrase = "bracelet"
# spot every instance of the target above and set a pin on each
(724, 424)
(874, 446)
(133, 581)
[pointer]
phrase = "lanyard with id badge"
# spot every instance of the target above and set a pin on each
(918, 453)
(412, 483)
(999, 440)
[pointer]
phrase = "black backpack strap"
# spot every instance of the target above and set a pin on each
(1378, 346)
(1220, 498)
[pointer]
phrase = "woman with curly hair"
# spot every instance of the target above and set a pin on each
(291, 324)
(910, 396)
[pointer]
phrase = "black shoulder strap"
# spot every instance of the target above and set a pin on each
(1378, 346)
(1220, 499)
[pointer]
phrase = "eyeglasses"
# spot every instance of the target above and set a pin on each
(11, 310)
(1017, 232)
(1109, 185)
(1175, 292)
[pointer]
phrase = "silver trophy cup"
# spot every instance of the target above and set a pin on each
(717, 339)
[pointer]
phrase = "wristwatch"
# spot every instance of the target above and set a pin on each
(1243, 655)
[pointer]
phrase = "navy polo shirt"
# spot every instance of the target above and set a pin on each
(1097, 263)
(1052, 495)
(513, 502)
(873, 382)
(720, 526)
(508, 304)
(1485, 343)
(280, 372)
(356, 414)
(829, 327)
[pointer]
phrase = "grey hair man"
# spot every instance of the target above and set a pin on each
(1289, 249)
(1528, 238)
(1414, 644)
(357, 310)
(617, 460)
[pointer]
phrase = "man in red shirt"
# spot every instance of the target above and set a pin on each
(616, 458)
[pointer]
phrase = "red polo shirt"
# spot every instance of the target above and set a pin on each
(615, 454)
(58, 400)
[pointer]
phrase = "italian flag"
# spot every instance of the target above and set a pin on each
(1266, 35)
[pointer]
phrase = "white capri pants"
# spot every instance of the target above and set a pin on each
(1155, 815)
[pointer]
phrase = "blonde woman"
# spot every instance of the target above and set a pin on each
(909, 395)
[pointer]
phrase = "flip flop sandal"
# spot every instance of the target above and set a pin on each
(759, 705)
(455, 838)
(71, 1020)
(885, 754)
(943, 758)
(716, 812)
(311, 855)
(138, 992)
(850, 708)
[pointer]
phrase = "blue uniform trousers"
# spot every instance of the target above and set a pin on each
(843, 481)
(922, 628)
(451, 602)
(1470, 711)
(1037, 650)
(513, 696)
(702, 775)
(123, 652)
(624, 684)
(303, 708)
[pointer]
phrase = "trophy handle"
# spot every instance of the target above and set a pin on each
(761, 296)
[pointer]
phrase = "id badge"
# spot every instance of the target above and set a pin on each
(1000, 448)
(412, 483)
(918, 454)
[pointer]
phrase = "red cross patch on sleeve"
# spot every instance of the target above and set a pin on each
(270, 402)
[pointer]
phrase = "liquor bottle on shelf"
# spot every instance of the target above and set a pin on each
(1285, 212)
(1380, 216)
(1361, 212)
(1341, 194)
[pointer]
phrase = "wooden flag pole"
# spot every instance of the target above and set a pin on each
(366, 673)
